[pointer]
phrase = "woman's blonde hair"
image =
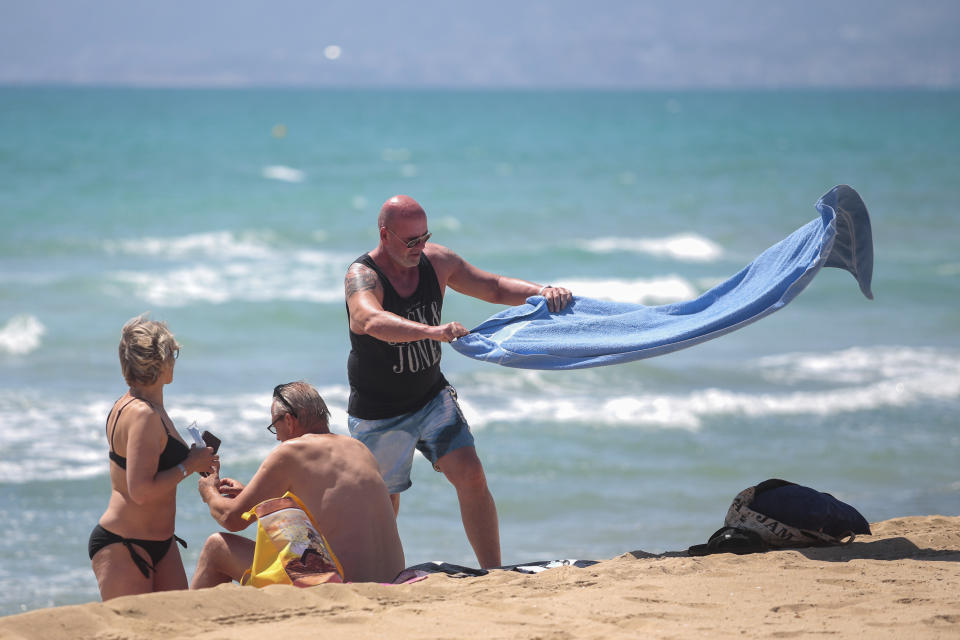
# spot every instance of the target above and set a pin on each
(145, 345)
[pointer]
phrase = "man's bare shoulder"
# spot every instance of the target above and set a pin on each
(360, 277)
(445, 261)
(320, 441)
(439, 252)
(314, 451)
(279, 456)
(339, 444)
(287, 458)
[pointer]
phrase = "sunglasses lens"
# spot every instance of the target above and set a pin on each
(412, 243)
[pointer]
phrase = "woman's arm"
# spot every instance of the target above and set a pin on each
(146, 440)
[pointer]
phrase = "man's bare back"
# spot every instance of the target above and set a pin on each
(337, 479)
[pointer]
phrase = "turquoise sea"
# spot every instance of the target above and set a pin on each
(233, 214)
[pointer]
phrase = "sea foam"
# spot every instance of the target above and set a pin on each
(220, 245)
(860, 379)
(688, 247)
(239, 419)
(21, 335)
(235, 282)
(648, 291)
(283, 173)
(220, 267)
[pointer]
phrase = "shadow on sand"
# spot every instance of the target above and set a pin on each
(898, 548)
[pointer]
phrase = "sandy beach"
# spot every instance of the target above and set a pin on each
(902, 581)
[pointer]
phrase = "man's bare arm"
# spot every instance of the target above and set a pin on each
(491, 287)
(270, 481)
(364, 295)
(360, 278)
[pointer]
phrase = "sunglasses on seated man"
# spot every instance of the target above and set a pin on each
(278, 394)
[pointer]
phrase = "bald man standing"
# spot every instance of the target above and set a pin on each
(399, 398)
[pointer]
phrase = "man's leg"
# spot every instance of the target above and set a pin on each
(479, 512)
(224, 557)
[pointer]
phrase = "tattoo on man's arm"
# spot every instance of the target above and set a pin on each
(360, 280)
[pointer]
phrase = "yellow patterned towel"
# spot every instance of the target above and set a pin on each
(290, 548)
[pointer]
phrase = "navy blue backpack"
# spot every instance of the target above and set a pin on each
(778, 514)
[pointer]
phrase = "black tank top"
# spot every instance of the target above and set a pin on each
(173, 454)
(389, 379)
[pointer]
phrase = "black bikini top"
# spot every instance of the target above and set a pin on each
(173, 454)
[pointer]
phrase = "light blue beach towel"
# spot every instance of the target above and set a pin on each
(591, 333)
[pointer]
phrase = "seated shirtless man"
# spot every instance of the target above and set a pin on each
(336, 477)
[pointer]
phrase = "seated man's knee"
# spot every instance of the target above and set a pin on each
(224, 549)
(213, 547)
(214, 541)
(224, 557)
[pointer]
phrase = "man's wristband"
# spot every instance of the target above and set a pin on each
(544, 288)
(183, 469)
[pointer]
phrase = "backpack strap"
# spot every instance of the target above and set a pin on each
(730, 540)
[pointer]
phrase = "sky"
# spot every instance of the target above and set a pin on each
(491, 44)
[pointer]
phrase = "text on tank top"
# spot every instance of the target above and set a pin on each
(388, 379)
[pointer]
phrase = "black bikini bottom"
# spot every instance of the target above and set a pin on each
(156, 549)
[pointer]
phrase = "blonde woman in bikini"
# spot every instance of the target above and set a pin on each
(132, 547)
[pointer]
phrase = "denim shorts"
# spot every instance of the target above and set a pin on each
(436, 430)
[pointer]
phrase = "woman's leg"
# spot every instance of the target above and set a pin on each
(169, 574)
(117, 575)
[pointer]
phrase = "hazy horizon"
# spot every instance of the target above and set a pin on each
(613, 44)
